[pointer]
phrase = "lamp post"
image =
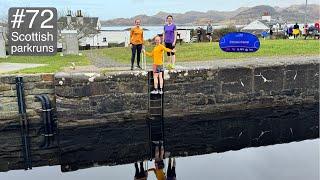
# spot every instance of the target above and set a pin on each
(306, 10)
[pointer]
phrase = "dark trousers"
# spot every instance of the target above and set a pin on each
(171, 171)
(199, 37)
(141, 173)
(136, 49)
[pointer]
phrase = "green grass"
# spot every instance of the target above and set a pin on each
(185, 53)
(54, 63)
(211, 51)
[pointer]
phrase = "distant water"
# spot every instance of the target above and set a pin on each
(154, 30)
(293, 161)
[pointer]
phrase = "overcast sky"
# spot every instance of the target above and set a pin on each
(128, 8)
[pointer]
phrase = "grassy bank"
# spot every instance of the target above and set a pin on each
(53, 63)
(211, 51)
(185, 53)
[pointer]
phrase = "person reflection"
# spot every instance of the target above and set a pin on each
(140, 174)
(158, 162)
(171, 171)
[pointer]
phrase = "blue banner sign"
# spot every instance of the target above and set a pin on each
(239, 42)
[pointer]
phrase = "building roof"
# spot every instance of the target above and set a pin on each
(257, 25)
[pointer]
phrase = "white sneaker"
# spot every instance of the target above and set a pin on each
(160, 91)
(154, 92)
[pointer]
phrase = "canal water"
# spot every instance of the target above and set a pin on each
(292, 161)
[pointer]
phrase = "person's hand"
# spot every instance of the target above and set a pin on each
(174, 50)
(143, 51)
(130, 45)
(174, 43)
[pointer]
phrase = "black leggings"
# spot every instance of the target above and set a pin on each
(141, 173)
(136, 49)
(171, 171)
(170, 46)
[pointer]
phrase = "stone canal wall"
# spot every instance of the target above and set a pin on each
(123, 96)
(119, 103)
(10, 136)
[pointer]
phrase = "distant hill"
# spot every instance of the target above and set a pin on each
(244, 15)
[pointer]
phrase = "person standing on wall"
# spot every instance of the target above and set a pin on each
(157, 56)
(209, 31)
(136, 42)
(170, 39)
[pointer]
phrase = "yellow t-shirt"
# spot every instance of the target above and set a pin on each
(136, 35)
(157, 54)
(296, 31)
(159, 174)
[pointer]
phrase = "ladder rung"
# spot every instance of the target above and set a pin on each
(155, 114)
(155, 100)
(157, 137)
(156, 123)
(156, 129)
(154, 119)
(155, 107)
(159, 131)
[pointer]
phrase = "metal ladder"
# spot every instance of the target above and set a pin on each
(155, 116)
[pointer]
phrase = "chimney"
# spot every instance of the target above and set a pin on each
(79, 17)
(69, 17)
(266, 16)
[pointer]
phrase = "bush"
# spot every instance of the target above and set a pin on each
(218, 33)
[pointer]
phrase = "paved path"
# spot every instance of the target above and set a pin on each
(246, 62)
(101, 61)
(7, 67)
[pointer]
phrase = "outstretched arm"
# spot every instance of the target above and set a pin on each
(152, 169)
(150, 54)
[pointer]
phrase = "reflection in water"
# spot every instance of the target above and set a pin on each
(158, 162)
(294, 161)
(118, 143)
(140, 174)
(171, 172)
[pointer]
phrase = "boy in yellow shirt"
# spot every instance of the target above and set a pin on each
(157, 56)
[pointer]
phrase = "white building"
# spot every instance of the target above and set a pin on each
(105, 37)
(263, 24)
(184, 35)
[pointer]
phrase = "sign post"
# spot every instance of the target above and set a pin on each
(239, 42)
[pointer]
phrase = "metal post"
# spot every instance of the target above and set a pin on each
(306, 10)
(24, 124)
